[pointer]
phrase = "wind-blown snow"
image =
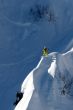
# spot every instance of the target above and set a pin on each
(42, 87)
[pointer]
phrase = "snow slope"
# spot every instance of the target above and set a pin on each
(22, 39)
(43, 86)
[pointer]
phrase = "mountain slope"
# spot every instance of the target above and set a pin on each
(50, 84)
(23, 35)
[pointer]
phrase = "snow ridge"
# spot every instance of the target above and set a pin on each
(42, 87)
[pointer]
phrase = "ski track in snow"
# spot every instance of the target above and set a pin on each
(17, 63)
(16, 23)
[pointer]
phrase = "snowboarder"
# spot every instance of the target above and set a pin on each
(19, 96)
(45, 51)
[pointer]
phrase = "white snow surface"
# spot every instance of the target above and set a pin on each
(42, 87)
(22, 38)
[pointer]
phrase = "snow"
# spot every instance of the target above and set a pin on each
(70, 45)
(43, 85)
(71, 50)
(27, 88)
(21, 41)
(52, 68)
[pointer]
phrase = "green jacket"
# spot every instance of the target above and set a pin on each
(45, 52)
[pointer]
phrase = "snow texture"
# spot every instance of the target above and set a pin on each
(22, 38)
(42, 87)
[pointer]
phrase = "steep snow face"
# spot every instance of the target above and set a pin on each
(49, 85)
(22, 37)
(52, 68)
